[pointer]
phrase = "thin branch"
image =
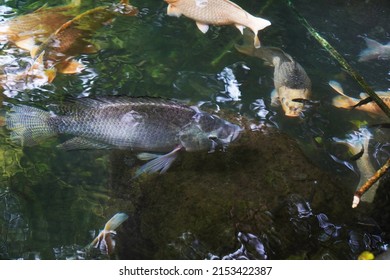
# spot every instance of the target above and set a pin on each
(369, 183)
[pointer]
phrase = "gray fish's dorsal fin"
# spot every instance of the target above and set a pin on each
(72, 105)
(101, 102)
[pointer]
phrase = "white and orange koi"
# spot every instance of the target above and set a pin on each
(217, 12)
(347, 102)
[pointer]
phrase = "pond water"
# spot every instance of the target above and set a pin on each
(283, 191)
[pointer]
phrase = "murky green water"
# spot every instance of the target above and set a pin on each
(263, 198)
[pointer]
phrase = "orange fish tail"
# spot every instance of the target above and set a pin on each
(343, 102)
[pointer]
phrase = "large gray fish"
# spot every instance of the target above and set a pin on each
(151, 126)
(290, 79)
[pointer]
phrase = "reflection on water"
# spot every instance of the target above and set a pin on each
(261, 199)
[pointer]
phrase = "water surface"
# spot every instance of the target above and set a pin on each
(254, 201)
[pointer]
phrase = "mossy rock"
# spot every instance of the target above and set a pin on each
(212, 196)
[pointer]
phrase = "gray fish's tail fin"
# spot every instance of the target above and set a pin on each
(29, 125)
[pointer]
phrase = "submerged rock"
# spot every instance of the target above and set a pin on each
(215, 196)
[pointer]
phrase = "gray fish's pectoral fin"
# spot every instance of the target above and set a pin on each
(158, 163)
(147, 156)
(80, 143)
(202, 27)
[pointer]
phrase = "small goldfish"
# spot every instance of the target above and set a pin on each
(29, 30)
(74, 36)
(104, 241)
(217, 12)
(374, 50)
(290, 79)
(347, 102)
(155, 128)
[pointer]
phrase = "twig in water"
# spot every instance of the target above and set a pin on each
(381, 171)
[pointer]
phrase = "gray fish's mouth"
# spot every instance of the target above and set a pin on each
(224, 143)
(217, 143)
